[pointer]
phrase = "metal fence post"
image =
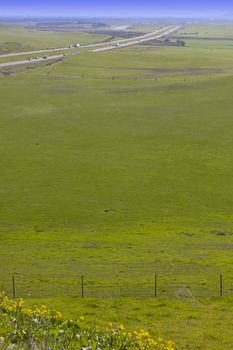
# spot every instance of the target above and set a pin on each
(13, 286)
(82, 287)
(155, 286)
(221, 285)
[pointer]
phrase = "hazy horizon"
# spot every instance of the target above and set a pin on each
(128, 8)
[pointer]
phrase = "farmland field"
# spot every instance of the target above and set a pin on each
(118, 166)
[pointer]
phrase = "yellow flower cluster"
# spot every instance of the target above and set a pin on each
(145, 341)
(116, 335)
(18, 306)
(142, 340)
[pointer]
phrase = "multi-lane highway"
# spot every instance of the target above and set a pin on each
(35, 60)
(98, 47)
(28, 53)
(137, 40)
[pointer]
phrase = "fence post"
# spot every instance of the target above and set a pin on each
(13, 286)
(221, 285)
(155, 286)
(82, 286)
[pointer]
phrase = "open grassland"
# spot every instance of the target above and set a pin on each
(117, 166)
(207, 37)
(191, 324)
(19, 38)
(22, 327)
(214, 29)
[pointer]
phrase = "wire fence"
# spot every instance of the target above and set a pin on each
(149, 286)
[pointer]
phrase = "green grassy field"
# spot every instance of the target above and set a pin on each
(20, 38)
(211, 29)
(117, 166)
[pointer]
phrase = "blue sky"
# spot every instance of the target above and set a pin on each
(143, 8)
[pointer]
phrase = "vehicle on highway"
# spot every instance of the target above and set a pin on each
(45, 57)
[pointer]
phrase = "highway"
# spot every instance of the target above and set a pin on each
(28, 53)
(145, 36)
(98, 47)
(134, 41)
(15, 54)
(16, 63)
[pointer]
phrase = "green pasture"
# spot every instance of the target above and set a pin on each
(20, 38)
(192, 324)
(211, 29)
(118, 166)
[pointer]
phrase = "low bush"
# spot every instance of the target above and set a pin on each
(39, 328)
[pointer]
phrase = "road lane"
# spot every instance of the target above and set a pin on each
(116, 44)
(16, 63)
(15, 54)
(139, 40)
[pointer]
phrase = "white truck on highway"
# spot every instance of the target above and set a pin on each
(74, 46)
